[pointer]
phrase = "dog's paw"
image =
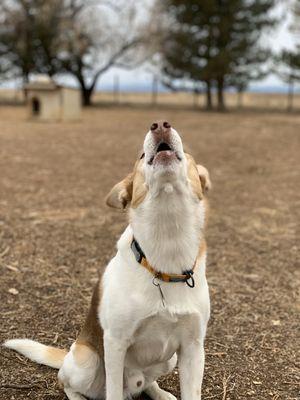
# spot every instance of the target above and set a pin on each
(156, 393)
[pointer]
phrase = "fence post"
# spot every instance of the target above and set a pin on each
(154, 90)
(290, 96)
(116, 89)
(195, 95)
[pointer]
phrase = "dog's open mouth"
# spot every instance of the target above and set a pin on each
(164, 154)
(163, 147)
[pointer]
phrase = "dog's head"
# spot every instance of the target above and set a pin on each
(162, 167)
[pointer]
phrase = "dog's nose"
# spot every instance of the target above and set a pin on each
(160, 127)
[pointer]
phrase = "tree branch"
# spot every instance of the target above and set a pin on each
(112, 61)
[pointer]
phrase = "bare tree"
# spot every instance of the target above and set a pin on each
(16, 37)
(101, 36)
(83, 38)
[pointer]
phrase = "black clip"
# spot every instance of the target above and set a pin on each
(190, 281)
(138, 254)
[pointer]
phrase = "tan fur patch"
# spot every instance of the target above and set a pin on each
(139, 190)
(204, 178)
(55, 356)
(194, 176)
(91, 334)
(131, 189)
(202, 248)
(198, 176)
(82, 353)
(207, 211)
(121, 194)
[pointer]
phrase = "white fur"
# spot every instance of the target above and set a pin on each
(35, 351)
(143, 336)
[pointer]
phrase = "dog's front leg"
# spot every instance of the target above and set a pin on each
(114, 355)
(191, 368)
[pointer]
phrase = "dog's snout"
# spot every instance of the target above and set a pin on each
(161, 130)
(160, 127)
(154, 126)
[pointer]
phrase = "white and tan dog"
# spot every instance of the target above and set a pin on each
(151, 306)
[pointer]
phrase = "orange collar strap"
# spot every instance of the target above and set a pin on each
(186, 276)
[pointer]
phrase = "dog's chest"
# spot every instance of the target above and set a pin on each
(156, 340)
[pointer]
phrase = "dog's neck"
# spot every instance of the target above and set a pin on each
(168, 227)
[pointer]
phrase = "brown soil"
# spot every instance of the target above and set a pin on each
(55, 233)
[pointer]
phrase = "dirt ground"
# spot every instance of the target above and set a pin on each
(55, 233)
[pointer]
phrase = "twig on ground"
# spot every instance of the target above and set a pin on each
(225, 383)
(17, 386)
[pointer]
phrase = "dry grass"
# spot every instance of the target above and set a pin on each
(259, 101)
(55, 233)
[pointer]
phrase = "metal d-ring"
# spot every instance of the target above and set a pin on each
(190, 281)
(155, 282)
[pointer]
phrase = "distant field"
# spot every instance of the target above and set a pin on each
(248, 100)
(56, 233)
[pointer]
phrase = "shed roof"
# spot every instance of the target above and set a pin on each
(44, 82)
(39, 85)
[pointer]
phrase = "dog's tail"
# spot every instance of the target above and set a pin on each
(38, 352)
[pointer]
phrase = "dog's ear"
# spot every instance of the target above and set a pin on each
(204, 178)
(121, 194)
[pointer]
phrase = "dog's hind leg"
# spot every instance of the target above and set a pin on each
(71, 395)
(82, 373)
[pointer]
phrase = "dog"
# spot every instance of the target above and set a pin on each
(151, 305)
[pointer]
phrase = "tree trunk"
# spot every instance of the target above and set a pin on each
(25, 77)
(209, 105)
(86, 96)
(220, 91)
(25, 82)
(290, 100)
(86, 91)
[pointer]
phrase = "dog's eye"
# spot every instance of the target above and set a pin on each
(142, 156)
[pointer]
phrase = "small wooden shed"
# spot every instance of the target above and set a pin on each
(48, 101)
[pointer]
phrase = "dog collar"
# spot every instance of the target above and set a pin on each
(186, 276)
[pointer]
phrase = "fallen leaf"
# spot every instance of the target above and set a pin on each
(5, 251)
(13, 291)
(276, 322)
(55, 338)
(12, 268)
